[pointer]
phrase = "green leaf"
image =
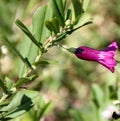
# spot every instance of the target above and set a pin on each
(57, 8)
(7, 86)
(85, 4)
(15, 51)
(60, 37)
(85, 17)
(22, 102)
(55, 25)
(28, 33)
(77, 10)
(40, 32)
(64, 4)
(3, 86)
(87, 23)
(24, 80)
(38, 111)
(9, 83)
(68, 15)
(61, 6)
(26, 105)
(41, 15)
(29, 51)
(41, 62)
(44, 109)
(49, 25)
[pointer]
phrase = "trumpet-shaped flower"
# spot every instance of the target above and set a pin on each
(104, 57)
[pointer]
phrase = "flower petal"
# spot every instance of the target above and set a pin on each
(109, 63)
(104, 57)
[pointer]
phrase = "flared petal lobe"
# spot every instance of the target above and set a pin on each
(107, 56)
(104, 57)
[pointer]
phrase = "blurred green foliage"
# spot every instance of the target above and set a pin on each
(79, 90)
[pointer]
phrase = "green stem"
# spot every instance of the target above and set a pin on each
(89, 22)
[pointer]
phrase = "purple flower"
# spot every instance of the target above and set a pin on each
(104, 57)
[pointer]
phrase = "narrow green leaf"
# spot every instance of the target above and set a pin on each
(57, 12)
(60, 7)
(85, 4)
(9, 83)
(69, 14)
(28, 33)
(22, 102)
(44, 109)
(64, 4)
(40, 33)
(56, 25)
(39, 29)
(7, 87)
(29, 51)
(53, 26)
(77, 10)
(26, 105)
(24, 80)
(3, 86)
(84, 18)
(49, 25)
(60, 37)
(87, 23)
(15, 51)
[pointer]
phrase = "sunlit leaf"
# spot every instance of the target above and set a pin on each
(85, 4)
(7, 86)
(39, 30)
(22, 102)
(77, 10)
(24, 80)
(9, 83)
(57, 10)
(60, 5)
(53, 25)
(28, 33)
(3, 86)
(56, 25)
(44, 109)
(28, 50)
(85, 17)
(49, 25)
(15, 51)
(68, 15)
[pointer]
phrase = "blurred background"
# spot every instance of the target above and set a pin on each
(70, 82)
